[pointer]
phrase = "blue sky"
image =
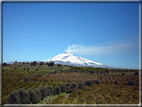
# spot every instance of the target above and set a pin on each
(107, 33)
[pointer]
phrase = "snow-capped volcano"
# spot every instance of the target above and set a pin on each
(71, 59)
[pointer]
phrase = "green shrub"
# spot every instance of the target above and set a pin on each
(33, 97)
(123, 74)
(24, 96)
(88, 83)
(97, 81)
(67, 85)
(38, 94)
(73, 87)
(26, 78)
(13, 98)
(51, 89)
(63, 89)
(42, 91)
(116, 82)
(131, 83)
(81, 85)
(47, 91)
(136, 73)
(57, 90)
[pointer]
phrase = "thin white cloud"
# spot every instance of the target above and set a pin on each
(119, 48)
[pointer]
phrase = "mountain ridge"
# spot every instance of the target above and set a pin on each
(71, 59)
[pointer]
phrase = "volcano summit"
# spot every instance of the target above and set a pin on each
(71, 59)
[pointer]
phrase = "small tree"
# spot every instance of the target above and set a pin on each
(33, 97)
(57, 90)
(50, 64)
(131, 83)
(116, 82)
(38, 94)
(13, 98)
(47, 91)
(67, 85)
(24, 96)
(46, 63)
(123, 74)
(26, 78)
(97, 81)
(15, 62)
(63, 89)
(59, 65)
(4, 64)
(88, 83)
(28, 69)
(42, 91)
(73, 87)
(81, 85)
(34, 63)
(41, 63)
(51, 89)
(31, 64)
(136, 73)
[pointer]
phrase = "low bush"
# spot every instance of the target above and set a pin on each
(116, 82)
(81, 85)
(131, 83)
(42, 91)
(73, 87)
(63, 89)
(33, 97)
(24, 96)
(97, 81)
(51, 89)
(13, 98)
(26, 78)
(47, 91)
(136, 73)
(88, 83)
(67, 85)
(38, 94)
(57, 90)
(123, 74)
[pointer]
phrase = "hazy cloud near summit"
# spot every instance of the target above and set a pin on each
(117, 48)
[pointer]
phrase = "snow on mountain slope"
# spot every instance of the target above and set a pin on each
(71, 59)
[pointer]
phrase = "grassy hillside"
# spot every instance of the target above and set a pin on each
(27, 77)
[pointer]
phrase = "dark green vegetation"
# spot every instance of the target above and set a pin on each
(50, 83)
